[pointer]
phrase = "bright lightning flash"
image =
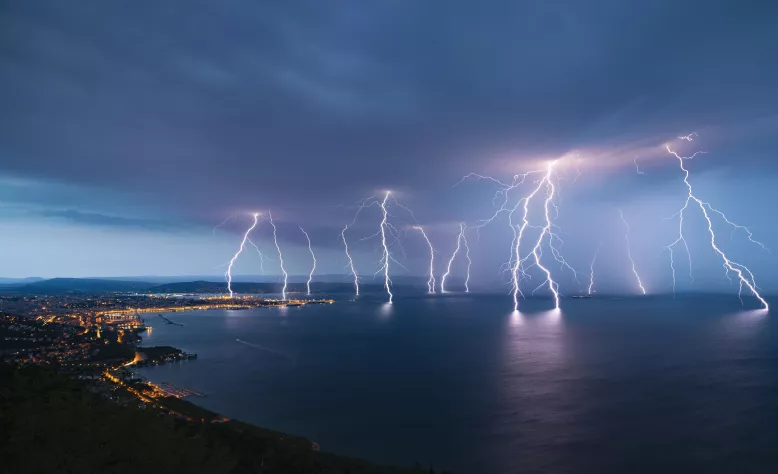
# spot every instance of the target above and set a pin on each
(350, 260)
(745, 277)
(516, 246)
(387, 256)
(369, 202)
(431, 281)
(228, 273)
(280, 256)
(467, 256)
(629, 252)
(310, 249)
(591, 269)
(547, 230)
(461, 240)
(516, 263)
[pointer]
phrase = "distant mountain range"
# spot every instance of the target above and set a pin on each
(59, 286)
(78, 285)
(202, 286)
(18, 281)
(213, 284)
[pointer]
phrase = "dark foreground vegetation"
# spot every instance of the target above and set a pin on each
(50, 423)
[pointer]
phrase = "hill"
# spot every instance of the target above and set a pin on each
(49, 423)
(18, 281)
(81, 285)
(218, 287)
(202, 286)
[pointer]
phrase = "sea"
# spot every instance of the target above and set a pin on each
(460, 382)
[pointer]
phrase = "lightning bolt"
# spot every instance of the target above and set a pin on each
(431, 281)
(387, 256)
(280, 256)
(745, 277)
(591, 269)
(261, 256)
(688, 137)
(504, 193)
(460, 237)
(310, 249)
(547, 230)
(629, 252)
(369, 202)
(467, 256)
(228, 273)
(221, 224)
(637, 167)
(350, 260)
(517, 236)
(516, 262)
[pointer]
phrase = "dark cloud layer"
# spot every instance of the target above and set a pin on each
(214, 107)
(176, 114)
(102, 220)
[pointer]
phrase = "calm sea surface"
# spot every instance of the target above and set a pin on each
(459, 382)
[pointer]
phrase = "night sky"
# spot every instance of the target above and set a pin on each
(128, 130)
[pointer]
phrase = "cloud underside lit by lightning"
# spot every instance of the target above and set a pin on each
(744, 275)
(629, 252)
(280, 256)
(313, 257)
(228, 273)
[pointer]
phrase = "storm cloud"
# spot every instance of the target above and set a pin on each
(196, 110)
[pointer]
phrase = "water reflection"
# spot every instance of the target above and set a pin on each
(552, 317)
(386, 309)
(742, 324)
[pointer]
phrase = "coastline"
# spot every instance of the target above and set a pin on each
(178, 398)
(40, 401)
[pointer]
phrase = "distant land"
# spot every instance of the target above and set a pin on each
(212, 284)
(256, 288)
(216, 285)
(59, 286)
(160, 279)
(78, 285)
(18, 281)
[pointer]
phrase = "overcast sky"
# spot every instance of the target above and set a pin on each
(128, 130)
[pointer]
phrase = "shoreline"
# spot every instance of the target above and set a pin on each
(182, 395)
